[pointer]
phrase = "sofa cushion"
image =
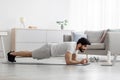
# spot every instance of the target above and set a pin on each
(94, 36)
(96, 46)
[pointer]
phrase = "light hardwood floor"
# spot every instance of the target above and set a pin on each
(29, 69)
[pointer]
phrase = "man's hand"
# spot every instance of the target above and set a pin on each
(70, 60)
(84, 61)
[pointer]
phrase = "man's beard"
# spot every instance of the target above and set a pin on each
(81, 50)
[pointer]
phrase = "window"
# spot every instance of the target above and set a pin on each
(94, 14)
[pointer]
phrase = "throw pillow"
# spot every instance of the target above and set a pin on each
(103, 36)
(77, 35)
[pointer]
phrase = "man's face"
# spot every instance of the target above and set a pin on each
(82, 48)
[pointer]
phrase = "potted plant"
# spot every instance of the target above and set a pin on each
(62, 23)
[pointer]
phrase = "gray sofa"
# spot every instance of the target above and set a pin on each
(98, 46)
(101, 42)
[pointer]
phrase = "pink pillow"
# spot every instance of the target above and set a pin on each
(103, 36)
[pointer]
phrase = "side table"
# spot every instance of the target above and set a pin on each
(2, 34)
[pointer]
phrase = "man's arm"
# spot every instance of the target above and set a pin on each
(69, 61)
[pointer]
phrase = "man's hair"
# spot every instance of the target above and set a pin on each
(83, 41)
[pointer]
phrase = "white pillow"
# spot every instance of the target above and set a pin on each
(77, 35)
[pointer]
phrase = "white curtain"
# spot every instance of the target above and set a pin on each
(94, 14)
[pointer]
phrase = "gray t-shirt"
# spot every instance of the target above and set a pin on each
(58, 49)
(72, 48)
(54, 49)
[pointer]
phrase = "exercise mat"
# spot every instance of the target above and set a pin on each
(41, 63)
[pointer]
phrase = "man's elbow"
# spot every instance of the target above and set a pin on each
(68, 63)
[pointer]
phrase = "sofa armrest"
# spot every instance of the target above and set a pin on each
(113, 43)
(67, 38)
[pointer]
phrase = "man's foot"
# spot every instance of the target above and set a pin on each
(11, 57)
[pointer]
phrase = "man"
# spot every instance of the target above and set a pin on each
(69, 49)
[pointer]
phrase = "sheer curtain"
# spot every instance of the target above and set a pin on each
(94, 14)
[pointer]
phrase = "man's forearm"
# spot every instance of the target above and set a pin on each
(84, 61)
(73, 62)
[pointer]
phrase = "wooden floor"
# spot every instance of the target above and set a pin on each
(29, 69)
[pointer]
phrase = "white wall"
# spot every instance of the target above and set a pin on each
(94, 14)
(40, 13)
